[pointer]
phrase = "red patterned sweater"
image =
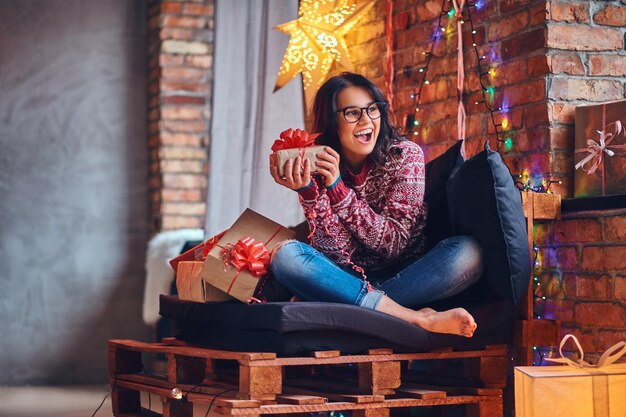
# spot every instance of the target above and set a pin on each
(375, 218)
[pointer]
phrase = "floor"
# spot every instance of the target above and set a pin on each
(66, 401)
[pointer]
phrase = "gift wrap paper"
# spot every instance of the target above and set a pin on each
(191, 287)
(610, 176)
(310, 153)
(242, 284)
(565, 391)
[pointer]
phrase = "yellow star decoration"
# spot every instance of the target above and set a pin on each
(317, 40)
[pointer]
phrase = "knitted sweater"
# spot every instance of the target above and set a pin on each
(373, 219)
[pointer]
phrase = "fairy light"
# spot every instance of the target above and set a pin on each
(412, 121)
(488, 91)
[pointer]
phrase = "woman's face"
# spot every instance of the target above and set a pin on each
(358, 138)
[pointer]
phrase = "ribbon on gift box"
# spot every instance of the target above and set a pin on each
(251, 255)
(247, 254)
(610, 356)
(208, 245)
(290, 139)
(596, 150)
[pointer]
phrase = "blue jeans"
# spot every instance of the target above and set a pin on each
(447, 269)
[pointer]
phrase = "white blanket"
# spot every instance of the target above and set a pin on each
(159, 274)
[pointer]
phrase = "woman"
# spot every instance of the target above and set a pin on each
(365, 207)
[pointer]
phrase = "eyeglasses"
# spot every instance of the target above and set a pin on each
(353, 114)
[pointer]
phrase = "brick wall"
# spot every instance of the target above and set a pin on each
(587, 250)
(548, 57)
(180, 83)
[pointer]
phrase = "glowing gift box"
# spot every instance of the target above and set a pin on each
(238, 261)
(600, 153)
(579, 390)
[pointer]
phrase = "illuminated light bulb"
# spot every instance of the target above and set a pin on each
(462, 22)
(416, 133)
(508, 144)
(424, 53)
(473, 43)
(417, 109)
(534, 347)
(536, 279)
(177, 394)
(451, 13)
(474, 32)
(415, 122)
(505, 124)
(443, 29)
(426, 82)
(492, 73)
(421, 70)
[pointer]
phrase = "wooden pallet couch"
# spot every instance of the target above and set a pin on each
(253, 369)
(374, 383)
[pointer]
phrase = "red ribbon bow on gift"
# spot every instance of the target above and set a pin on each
(294, 139)
(251, 255)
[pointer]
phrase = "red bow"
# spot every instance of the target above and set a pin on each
(294, 139)
(251, 255)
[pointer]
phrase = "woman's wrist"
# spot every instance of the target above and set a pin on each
(334, 184)
(305, 187)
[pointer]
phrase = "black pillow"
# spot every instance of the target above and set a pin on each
(438, 171)
(485, 203)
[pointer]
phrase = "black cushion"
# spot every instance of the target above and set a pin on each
(485, 203)
(438, 171)
(297, 328)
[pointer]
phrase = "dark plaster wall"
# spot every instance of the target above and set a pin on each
(73, 185)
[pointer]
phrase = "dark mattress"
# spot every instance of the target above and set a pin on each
(295, 328)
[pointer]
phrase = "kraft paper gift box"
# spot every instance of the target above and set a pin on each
(582, 390)
(294, 143)
(310, 153)
(563, 391)
(191, 287)
(197, 253)
(220, 272)
(600, 154)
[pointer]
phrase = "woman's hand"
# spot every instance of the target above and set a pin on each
(295, 176)
(328, 165)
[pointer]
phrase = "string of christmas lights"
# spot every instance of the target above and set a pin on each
(487, 89)
(543, 187)
(412, 122)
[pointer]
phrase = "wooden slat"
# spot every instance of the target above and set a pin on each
(380, 351)
(420, 393)
(502, 351)
(340, 406)
(228, 403)
(544, 206)
(161, 382)
(300, 399)
(353, 398)
(326, 353)
(193, 351)
(457, 390)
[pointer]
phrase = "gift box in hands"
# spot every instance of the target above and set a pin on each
(294, 143)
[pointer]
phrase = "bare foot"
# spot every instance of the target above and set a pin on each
(455, 321)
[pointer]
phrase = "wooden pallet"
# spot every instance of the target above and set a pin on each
(255, 383)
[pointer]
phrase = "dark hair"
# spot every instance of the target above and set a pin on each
(325, 114)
